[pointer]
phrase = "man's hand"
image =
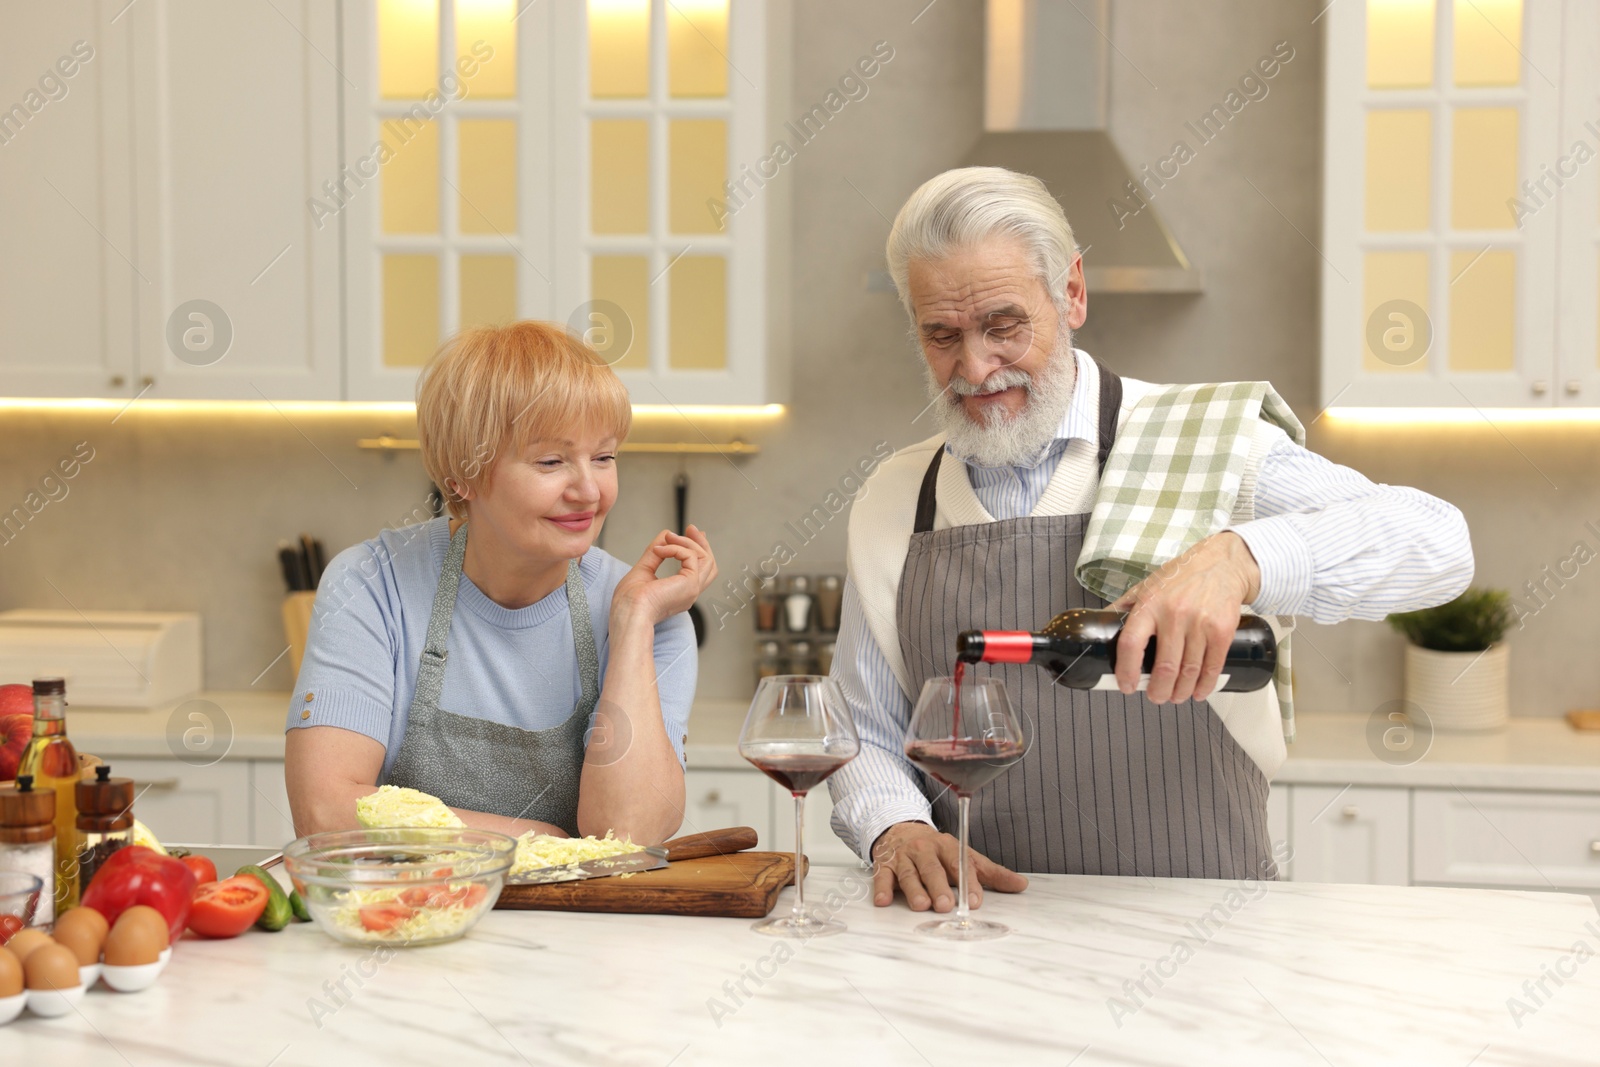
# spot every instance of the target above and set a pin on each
(1191, 606)
(922, 861)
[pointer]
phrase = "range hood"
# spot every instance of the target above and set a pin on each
(1046, 95)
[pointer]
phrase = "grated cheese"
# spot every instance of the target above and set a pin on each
(536, 851)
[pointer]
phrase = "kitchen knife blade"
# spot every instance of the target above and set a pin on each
(648, 860)
(688, 847)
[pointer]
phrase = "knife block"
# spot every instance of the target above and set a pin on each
(297, 624)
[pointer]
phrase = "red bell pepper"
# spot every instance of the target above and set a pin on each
(139, 875)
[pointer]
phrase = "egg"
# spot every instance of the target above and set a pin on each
(24, 942)
(10, 974)
(83, 930)
(51, 967)
(137, 938)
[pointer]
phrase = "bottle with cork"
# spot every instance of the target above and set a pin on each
(105, 821)
(53, 763)
(28, 840)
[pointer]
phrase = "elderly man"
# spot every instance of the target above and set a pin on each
(980, 527)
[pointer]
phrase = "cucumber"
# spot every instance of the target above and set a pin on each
(297, 903)
(279, 911)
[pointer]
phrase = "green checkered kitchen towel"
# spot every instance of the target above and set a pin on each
(1171, 479)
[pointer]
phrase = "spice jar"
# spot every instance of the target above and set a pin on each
(800, 658)
(769, 660)
(798, 605)
(768, 604)
(105, 820)
(830, 597)
(28, 839)
(825, 658)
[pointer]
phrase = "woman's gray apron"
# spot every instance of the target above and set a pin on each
(488, 766)
(1110, 784)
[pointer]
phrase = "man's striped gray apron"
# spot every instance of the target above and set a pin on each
(1110, 784)
(480, 765)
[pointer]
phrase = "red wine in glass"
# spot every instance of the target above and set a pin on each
(798, 772)
(967, 765)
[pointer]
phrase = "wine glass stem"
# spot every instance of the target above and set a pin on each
(799, 857)
(962, 802)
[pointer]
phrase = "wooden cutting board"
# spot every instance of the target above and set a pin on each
(742, 885)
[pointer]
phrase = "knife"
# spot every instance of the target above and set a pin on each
(689, 847)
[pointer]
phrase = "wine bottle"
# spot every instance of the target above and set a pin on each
(1079, 649)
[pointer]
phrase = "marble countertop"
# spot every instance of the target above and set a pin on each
(1231, 973)
(1539, 754)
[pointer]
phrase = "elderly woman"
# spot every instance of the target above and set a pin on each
(495, 658)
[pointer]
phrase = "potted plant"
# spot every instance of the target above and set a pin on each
(1457, 663)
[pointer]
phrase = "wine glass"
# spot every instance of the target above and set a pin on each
(798, 732)
(965, 735)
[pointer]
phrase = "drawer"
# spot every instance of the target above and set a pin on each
(716, 799)
(1481, 837)
(190, 805)
(1356, 834)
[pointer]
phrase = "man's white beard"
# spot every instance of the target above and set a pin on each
(1004, 439)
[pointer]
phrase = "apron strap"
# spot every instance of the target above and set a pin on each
(435, 650)
(583, 637)
(1110, 405)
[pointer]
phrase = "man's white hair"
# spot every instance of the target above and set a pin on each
(960, 208)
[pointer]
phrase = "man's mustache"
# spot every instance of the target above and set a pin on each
(999, 381)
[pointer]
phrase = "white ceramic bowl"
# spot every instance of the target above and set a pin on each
(165, 957)
(89, 974)
(53, 1002)
(131, 979)
(11, 1007)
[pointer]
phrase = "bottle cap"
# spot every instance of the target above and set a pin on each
(105, 795)
(49, 687)
(828, 581)
(799, 583)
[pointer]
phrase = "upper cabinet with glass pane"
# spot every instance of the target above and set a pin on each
(1444, 273)
(566, 161)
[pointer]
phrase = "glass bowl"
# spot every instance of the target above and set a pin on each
(401, 886)
(19, 898)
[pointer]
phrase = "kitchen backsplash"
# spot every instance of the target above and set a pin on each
(184, 511)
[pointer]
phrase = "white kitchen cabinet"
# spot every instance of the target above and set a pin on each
(823, 846)
(1351, 834)
(67, 278)
(270, 821)
(570, 164)
(715, 799)
(1501, 838)
(195, 805)
(235, 109)
(1278, 829)
(1455, 213)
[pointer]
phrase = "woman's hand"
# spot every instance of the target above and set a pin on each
(641, 593)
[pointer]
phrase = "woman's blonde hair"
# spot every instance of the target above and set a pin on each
(491, 390)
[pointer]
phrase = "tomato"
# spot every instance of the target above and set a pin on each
(381, 917)
(475, 895)
(204, 870)
(138, 875)
(227, 908)
(436, 897)
(9, 925)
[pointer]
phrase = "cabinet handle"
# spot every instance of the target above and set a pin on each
(1540, 387)
(1594, 848)
(117, 381)
(160, 784)
(147, 381)
(713, 797)
(1574, 387)
(1350, 811)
